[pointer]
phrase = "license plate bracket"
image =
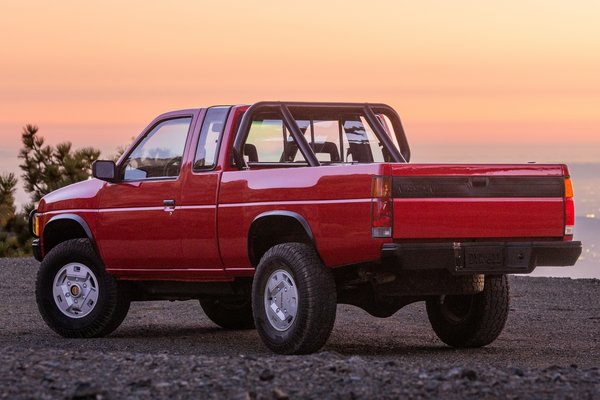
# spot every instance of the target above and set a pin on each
(484, 258)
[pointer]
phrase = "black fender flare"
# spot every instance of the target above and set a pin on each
(75, 218)
(280, 213)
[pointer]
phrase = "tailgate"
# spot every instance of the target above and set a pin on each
(478, 201)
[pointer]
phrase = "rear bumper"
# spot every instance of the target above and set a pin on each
(481, 257)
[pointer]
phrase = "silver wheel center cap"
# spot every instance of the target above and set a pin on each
(75, 290)
(281, 300)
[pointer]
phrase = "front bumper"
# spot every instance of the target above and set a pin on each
(37, 250)
(481, 257)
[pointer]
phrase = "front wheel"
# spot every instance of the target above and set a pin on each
(75, 295)
(471, 320)
(293, 299)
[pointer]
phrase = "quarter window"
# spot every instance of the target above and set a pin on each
(210, 136)
(160, 152)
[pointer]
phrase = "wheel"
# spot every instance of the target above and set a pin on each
(471, 320)
(75, 295)
(293, 299)
(229, 313)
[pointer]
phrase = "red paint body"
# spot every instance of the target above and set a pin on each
(205, 236)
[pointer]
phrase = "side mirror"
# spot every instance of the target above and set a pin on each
(104, 170)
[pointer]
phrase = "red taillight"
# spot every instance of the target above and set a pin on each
(569, 209)
(381, 207)
(569, 218)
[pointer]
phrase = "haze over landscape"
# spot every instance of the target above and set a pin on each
(472, 81)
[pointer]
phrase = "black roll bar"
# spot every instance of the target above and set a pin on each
(303, 145)
(286, 111)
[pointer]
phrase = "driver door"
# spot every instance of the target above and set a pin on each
(139, 226)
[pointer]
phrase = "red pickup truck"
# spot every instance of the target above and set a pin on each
(272, 214)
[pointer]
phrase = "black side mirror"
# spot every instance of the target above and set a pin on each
(105, 170)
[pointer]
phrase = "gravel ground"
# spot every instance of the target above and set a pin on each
(550, 348)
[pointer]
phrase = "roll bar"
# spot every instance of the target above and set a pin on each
(287, 110)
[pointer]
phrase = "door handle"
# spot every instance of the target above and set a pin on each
(479, 181)
(169, 203)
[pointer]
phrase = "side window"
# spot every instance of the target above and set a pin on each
(269, 142)
(210, 135)
(326, 141)
(160, 152)
(363, 144)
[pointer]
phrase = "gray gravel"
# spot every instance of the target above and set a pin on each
(550, 348)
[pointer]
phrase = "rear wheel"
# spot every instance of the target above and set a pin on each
(471, 320)
(293, 299)
(229, 313)
(75, 295)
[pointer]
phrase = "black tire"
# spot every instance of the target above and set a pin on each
(316, 299)
(229, 313)
(111, 306)
(471, 320)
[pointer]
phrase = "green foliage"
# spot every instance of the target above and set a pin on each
(14, 234)
(8, 186)
(47, 168)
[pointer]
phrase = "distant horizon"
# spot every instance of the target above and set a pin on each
(423, 151)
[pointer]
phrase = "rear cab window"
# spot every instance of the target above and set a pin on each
(346, 139)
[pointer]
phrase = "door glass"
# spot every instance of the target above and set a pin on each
(160, 152)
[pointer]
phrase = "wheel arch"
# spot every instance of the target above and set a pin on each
(65, 227)
(274, 227)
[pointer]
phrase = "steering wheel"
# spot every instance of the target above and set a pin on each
(172, 167)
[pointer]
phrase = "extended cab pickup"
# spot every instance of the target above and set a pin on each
(272, 214)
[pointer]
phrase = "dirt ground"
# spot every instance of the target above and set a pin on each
(550, 348)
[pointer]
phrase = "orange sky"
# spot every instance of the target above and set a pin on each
(488, 74)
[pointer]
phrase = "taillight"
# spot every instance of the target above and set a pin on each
(382, 207)
(569, 209)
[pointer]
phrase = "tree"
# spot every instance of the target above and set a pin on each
(8, 186)
(14, 235)
(47, 168)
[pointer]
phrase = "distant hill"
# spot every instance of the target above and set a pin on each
(586, 183)
(588, 266)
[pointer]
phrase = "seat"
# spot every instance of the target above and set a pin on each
(251, 152)
(328, 148)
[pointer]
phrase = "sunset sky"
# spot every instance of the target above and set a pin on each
(472, 80)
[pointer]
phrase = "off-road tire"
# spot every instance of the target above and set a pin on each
(471, 320)
(316, 302)
(229, 313)
(112, 304)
